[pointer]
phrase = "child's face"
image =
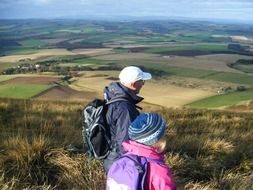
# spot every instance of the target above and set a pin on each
(160, 145)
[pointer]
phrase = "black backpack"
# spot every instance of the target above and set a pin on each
(95, 130)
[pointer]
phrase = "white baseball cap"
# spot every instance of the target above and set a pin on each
(132, 74)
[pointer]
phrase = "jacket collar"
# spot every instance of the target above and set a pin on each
(118, 90)
(142, 150)
(136, 99)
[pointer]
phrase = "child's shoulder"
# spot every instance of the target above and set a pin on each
(161, 175)
(160, 168)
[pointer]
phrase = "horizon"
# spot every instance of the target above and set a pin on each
(138, 19)
(210, 10)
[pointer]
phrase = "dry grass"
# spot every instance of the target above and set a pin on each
(43, 167)
(206, 149)
(78, 171)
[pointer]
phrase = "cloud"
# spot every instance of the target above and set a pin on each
(65, 8)
(43, 2)
(24, 2)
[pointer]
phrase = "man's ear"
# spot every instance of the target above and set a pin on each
(133, 85)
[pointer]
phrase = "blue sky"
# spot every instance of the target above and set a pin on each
(205, 9)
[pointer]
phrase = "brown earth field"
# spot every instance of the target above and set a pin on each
(65, 92)
(54, 93)
(32, 80)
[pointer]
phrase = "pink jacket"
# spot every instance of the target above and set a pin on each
(159, 176)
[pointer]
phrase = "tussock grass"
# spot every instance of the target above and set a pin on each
(78, 171)
(206, 149)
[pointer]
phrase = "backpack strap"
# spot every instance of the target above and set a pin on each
(142, 168)
(137, 164)
(117, 99)
(141, 164)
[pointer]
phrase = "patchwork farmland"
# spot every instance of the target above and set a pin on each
(188, 64)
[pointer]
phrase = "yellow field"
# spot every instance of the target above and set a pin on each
(93, 51)
(39, 54)
(134, 44)
(52, 52)
(7, 77)
(154, 92)
(171, 96)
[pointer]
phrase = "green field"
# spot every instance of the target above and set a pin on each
(6, 77)
(244, 68)
(224, 99)
(6, 27)
(231, 77)
(4, 66)
(32, 42)
(198, 47)
(22, 91)
(23, 50)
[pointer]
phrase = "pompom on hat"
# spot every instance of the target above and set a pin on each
(147, 128)
(132, 74)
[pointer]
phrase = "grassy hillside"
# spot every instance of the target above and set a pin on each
(206, 149)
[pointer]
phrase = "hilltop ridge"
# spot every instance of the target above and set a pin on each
(206, 148)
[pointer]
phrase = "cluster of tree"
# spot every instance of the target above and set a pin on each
(237, 48)
(25, 68)
(244, 62)
(52, 66)
(8, 43)
(155, 72)
(70, 46)
(241, 88)
(236, 65)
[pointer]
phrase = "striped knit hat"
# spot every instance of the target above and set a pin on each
(147, 128)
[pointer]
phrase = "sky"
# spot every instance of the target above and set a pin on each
(85, 9)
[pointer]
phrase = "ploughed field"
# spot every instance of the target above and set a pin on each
(52, 91)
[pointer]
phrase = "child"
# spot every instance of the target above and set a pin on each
(146, 140)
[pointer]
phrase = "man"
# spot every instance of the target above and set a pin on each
(121, 113)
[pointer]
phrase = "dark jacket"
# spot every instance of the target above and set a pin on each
(119, 116)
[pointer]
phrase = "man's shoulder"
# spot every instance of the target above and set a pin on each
(122, 106)
(122, 103)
